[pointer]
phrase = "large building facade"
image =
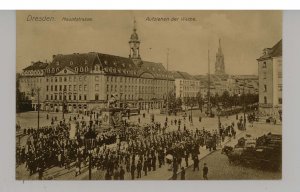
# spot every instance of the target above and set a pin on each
(87, 81)
(270, 81)
(186, 85)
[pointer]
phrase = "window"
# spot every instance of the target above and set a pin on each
(60, 87)
(116, 88)
(86, 69)
(74, 96)
(264, 64)
(47, 97)
(55, 88)
(79, 97)
(70, 97)
(265, 100)
(97, 87)
(96, 97)
(60, 97)
(70, 78)
(47, 87)
(79, 88)
(85, 97)
(47, 79)
(65, 79)
(55, 97)
(81, 69)
(279, 100)
(60, 79)
(70, 87)
(55, 79)
(65, 87)
(265, 88)
(85, 87)
(265, 75)
(74, 88)
(51, 97)
(76, 69)
(51, 87)
(107, 88)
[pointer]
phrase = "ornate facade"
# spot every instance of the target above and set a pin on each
(86, 81)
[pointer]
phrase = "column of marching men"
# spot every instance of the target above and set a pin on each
(129, 155)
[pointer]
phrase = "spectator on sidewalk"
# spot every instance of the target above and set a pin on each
(205, 172)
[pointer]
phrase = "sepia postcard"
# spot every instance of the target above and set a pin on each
(149, 95)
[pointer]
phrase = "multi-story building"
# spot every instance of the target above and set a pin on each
(87, 81)
(270, 81)
(185, 85)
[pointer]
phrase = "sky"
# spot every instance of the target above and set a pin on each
(243, 34)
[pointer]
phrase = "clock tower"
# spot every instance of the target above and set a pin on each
(134, 44)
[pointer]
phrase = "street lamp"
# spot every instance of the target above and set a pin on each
(89, 141)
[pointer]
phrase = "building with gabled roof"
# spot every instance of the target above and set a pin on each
(86, 81)
(270, 81)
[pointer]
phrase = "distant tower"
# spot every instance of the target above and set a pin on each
(134, 44)
(219, 65)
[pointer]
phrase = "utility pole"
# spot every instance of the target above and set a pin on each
(208, 91)
(244, 104)
(167, 107)
(38, 93)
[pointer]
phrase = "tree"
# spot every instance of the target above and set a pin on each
(22, 102)
(225, 99)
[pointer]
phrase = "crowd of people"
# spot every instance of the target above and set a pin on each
(132, 152)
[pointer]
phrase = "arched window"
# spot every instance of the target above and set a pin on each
(86, 69)
(53, 70)
(76, 69)
(57, 69)
(81, 69)
(71, 62)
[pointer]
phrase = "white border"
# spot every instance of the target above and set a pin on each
(150, 4)
(291, 130)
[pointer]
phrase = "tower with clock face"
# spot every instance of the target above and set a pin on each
(219, 65)
(134, 44)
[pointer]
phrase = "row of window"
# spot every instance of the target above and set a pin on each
(66, 79)
(69, 88)
(134, 80)
(132, 88)
(61, 97)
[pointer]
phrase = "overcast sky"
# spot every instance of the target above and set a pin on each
(243, 36)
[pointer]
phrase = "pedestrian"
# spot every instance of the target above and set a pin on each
(122, 173)
(116, 174)
(182, 174)
(196, 163)
(145, 166)
(132, 170)
(139, 169)
(205, 172)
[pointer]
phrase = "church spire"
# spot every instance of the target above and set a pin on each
(219, 65)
